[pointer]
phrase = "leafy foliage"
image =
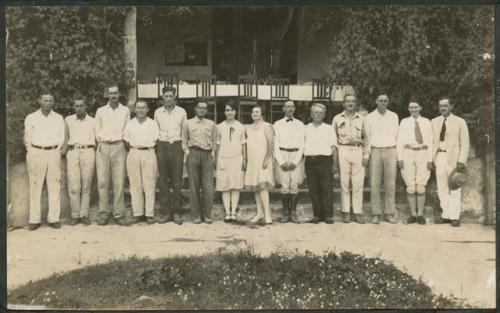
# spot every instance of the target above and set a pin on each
(238, 280)
(66, 50)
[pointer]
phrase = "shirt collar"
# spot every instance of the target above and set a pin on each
(356, 114)
(286, 119)
(50, 113)
(198, 120)
(83, 119)
(117, 108)
(165, 110)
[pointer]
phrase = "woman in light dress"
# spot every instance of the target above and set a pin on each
(230, 158)
(259, 172)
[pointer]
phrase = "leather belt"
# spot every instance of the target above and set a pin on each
(351, 144)
(170, 142)
(424, 147)
(441, 150)
(143, 148)
(384, 147)
(71, 147)
(44, 148)
(289, 149)
(112, 142)
(199, 148)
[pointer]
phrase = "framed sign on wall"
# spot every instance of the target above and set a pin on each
(186, 53)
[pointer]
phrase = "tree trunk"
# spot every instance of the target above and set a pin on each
(490, 184)
(130, 47)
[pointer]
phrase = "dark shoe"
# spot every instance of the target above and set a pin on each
(233, 218)
(314, 220)
(358, 219)
(329, 220)
(74, 221)
(103, 221)
(227, 218)
(455, 223)
(346, 218)
(55, 225)
(390, 219)
(421, 220)
(85, 220)
(122, 221)
(34, 226)
(285, 219)
(208, 220)
(443, 221)
(177, 220)
(375, 219)
(137, 219)
(412, 219)
(162, 219)
(197, 220)
(150, 220)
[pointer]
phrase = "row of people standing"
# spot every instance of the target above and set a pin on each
(243, 156)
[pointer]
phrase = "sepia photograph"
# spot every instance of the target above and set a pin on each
(250, 157)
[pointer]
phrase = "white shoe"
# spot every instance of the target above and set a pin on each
(257, 218)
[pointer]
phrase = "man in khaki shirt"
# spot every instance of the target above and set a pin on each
(353, 157)
(199, 139)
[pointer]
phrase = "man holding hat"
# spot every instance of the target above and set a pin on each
(450, 152)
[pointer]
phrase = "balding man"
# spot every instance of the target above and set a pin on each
(320, 156)
(110, 156)
(140, 135)
(288, 153)
(44, 137)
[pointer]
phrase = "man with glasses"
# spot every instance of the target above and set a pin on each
(382, 130)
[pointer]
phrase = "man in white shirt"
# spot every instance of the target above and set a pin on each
(353, 157)
(140, 135)
(382, 130)
(288, 152)
(170, 154)
(320, 156)
(44, 137)
(80, 155)
(414, 147)
(450, 151)
(110, 157)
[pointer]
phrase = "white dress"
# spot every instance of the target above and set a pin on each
(229, 172)
(256, 177)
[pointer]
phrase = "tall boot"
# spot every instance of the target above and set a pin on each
(293, 208)
(285, 200)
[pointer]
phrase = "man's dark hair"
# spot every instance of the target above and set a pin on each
(111, 85)
(79, 97)
(169, 88)
(141, 100)
(445, 97)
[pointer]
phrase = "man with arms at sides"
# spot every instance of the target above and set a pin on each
(320, 164)
(170, 119)
(288, 152)
(353, 157)
(44, 138)
(200, 139)
(382, 129)
(80, 155)
(450, 151)
(110, 156)
(414, 146)
(140, 135)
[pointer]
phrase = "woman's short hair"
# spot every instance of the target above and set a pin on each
(232, 104)
(261, 107)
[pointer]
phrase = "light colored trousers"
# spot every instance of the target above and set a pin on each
(415, 172)
(81, 166)
(110, 163)
(44, 164)
(142, 169)
(351, 170)
(383, 167)
(289, 180)
(449, 200)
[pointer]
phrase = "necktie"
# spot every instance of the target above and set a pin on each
(231, 131)
(443, 130)
(418, 133)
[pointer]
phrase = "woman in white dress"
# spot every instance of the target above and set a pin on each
(230, 160)
(259, 174)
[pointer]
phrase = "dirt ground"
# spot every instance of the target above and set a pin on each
(453, 261)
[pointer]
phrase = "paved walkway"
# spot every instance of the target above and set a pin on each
(458, 261)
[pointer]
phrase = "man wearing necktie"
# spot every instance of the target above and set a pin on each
(450, 150)
(414, 147)
(288, 152)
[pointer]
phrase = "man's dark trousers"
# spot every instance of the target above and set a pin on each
(200, 164)
(170, 162)
(320, 182)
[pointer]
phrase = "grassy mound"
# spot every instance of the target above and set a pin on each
(240, 280)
